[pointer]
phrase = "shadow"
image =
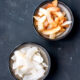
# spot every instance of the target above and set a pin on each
(53, 69)
(75, 29)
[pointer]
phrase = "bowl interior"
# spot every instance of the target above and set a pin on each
(69, 15)
(44, 54)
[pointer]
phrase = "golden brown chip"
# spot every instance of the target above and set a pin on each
(55, 3)
(51, 31)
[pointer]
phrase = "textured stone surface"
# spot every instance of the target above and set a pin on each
(16, 27)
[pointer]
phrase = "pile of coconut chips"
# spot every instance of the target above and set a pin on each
(51, 21)
(28, 63)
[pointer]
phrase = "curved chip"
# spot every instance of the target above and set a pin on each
(51, 31)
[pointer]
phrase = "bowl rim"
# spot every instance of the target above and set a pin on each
(34, 44)
(58, 38)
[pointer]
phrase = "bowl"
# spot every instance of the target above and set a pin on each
(69, 15)
(44, 54)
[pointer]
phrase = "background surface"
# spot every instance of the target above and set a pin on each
(16, 27)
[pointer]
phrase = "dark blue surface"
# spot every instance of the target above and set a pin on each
(16, 27)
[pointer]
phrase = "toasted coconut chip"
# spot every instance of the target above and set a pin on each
(40, 26)
(66, 23)
(53, 9)
(46, 24)
(55, 3)
(52, 25)
(42, 19)
(51, 31)
(50, 20)
(62, 29)
(58, 34)
(59, 14)
(41, 23)
(47, 14)
(48, 5)
(36, 18)
(57, 20)
(42, 11)
(52, 36)
(66, 26)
